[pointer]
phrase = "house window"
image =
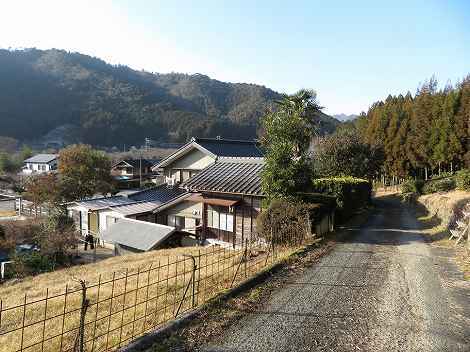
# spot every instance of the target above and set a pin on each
(43, 167)
(176, 221)
(220, 220)
(186, 175)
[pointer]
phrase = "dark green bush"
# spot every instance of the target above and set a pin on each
(412, 186)
(32, 263)
(409, 197)
(439, 185)
(462, 180)
(351, 193)
(328, 202)
(38, 263)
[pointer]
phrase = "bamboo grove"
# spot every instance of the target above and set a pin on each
(424, 134)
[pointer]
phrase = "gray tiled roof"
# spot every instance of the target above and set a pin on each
(135, 163)
(135, 203)
(136, 208)
(136, 234)
(238, 177)
(218, 148)
(160, 194)
(101, 203)
(41, 158)
(231, 148)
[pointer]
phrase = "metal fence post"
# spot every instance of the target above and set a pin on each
(198, 276)
(246, 261)
(191, 281)
(79, 342)
(193, 303)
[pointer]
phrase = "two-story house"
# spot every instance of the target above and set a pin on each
(40, 163)
(223, 202)
(132, 169)
(199, 153)
(222, 178)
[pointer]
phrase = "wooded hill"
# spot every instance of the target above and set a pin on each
(112, 105)
(424, 133)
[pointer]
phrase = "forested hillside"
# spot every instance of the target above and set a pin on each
(421, 134)
(115, 105)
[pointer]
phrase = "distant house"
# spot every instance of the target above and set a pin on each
(130, 172)
(199, 153)
(40, 163)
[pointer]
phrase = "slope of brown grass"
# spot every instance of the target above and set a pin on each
(437, 213)
(127, 296)
(55, 281)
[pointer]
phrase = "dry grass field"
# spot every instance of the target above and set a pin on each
(127, 296)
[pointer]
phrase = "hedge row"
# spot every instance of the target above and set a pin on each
(439, 185)
(443, 183)
(412, 186)
(351, 193)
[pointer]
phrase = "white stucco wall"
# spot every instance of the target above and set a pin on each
(104, 213)
(186, 209)
(193, 160)
(84, 226)
(37, 167)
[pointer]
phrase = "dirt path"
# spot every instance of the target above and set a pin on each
(382, 290)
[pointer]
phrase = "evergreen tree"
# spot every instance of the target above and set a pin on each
(462, 121)
(421, 134)
(288, 132)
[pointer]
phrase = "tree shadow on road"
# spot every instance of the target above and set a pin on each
(391, 223)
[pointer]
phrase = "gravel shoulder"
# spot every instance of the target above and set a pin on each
(383, 289)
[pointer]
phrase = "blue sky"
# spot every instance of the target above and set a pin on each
(351, 52)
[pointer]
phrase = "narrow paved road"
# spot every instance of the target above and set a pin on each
(382, 290)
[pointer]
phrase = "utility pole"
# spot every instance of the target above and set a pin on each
(140, 169)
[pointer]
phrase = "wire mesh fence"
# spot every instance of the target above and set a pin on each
(111, 312)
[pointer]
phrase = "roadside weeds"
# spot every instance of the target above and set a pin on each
(436, 234)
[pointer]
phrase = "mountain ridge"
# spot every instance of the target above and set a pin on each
(114, 104)
(345, 117)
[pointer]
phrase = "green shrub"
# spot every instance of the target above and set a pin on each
(38, 263)
(351, 193)
(33, 263)
(328, 202)
(462, 180)
(442, 175)
(409, 197)
(439, 185)
(412, 186)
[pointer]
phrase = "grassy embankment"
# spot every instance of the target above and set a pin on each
(437, 213)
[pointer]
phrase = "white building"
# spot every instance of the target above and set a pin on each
(40, 163)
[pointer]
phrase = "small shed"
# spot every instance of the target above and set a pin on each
(134, 236)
